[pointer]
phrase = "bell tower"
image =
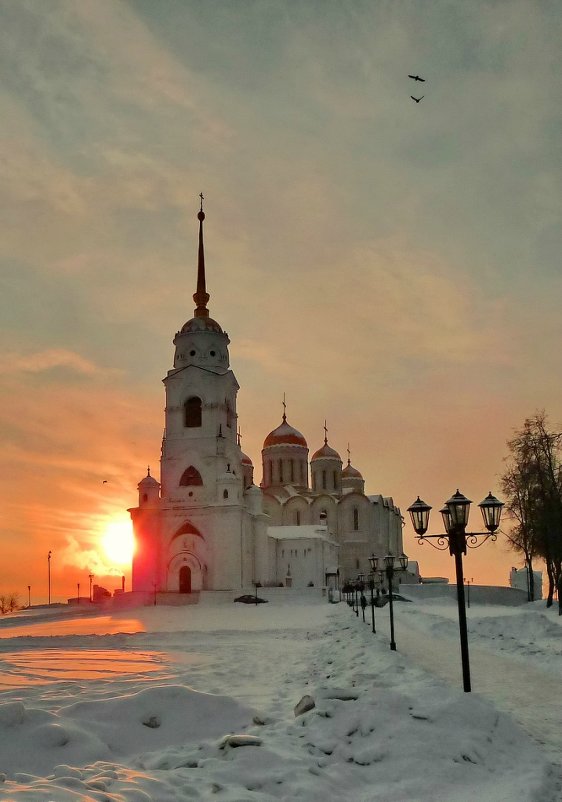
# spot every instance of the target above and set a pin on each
(200, 535)
(200, 428)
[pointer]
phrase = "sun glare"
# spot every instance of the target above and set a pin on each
(118, 542)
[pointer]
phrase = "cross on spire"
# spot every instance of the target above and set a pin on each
(202, 199)
(325, 433)
(348, 455)
(239, 436)
(284, 409)
(148, 471)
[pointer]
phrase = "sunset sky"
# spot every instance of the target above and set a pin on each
(392, 267)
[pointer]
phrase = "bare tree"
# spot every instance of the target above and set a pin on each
(533, 487)
(521, 536)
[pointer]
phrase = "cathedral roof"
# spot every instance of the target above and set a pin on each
(349, 472)
(285, 435)
(326, 452)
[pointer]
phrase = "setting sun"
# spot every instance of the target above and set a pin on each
(118, 542)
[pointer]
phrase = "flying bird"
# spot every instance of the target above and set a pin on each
(417, 99)
(416, 78)
(104, 482)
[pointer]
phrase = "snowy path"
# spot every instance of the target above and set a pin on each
(529, 691)
(146, 720)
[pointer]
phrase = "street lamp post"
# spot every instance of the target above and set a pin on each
(78, 587)
(456, 539)
(90, 577)
(361, 584)
(390, 569)
(49, 575)
(371, 588)
(29, 595)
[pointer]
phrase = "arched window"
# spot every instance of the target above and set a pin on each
(314, 481)
(228, 414)
(225, 493)
(335, 480)
(292, 470)
(355, 519)
(281, 471)
(303, 474)
(190, 476)
(145, 496)
(298, 517)
(192, 409)
(323, 480)
(271, 473)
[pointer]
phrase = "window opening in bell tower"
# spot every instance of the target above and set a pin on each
(192, 410)
(191, 476)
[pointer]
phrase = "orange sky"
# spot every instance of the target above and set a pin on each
(392, 267)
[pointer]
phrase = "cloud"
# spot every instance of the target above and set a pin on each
(42, 361)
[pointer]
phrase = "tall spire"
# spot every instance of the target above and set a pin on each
(201, 297)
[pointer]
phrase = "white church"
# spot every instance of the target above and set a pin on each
(207, 526)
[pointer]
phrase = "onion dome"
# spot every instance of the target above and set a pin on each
(246, 460)
(285, 435)
(326, 452)
(200, 324)
(349, 472)
(148, 481)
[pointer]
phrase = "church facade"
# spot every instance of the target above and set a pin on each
(207, 526)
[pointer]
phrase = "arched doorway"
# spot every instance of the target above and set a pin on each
(185, 579)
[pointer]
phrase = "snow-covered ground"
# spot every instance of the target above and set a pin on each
(141, 705)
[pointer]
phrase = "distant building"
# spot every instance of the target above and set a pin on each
(207, 526)
(519, 578)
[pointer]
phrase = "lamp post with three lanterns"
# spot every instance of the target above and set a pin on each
(391, 565)
(457, 539)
